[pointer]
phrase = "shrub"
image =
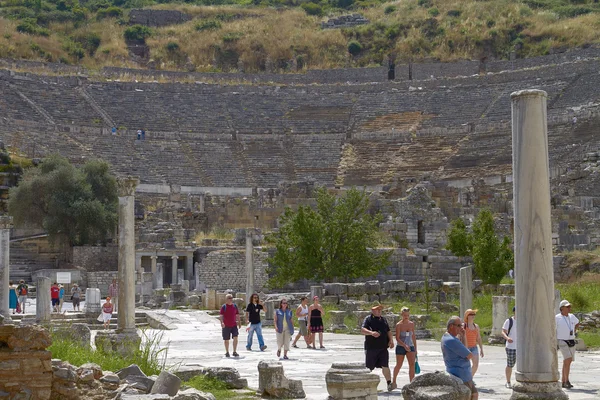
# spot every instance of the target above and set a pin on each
(389, 9)
(354, 47)
(344, 3)
(110, 12)
(209, 24)
(572, 11)
(312, 9)
(137, 32)
(29, 25)
(232, 37)
(453, 13)
(425, 3)
(172, 46)
(89, 41)
(74, 49)
(434, 12)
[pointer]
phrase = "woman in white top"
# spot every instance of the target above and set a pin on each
(302, 313)
(566, 326)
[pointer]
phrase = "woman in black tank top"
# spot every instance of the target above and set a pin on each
(316, 321)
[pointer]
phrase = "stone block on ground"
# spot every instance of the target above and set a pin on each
(436, 386)
(352, 305)
(394, 286)
(330, 299)
(229, 375)
(187, 372)
(336, 319)
(273, 383)
(133, 369)
(124, 343)
(360, 316)
(372, 287)
(25, 337)
(79, 333)
(137, 396)
(446, 307)
(166, 383)
(336, 289)
(351, 381)
(193, 394)
(356, 289)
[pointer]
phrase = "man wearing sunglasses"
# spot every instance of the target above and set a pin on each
(566, 326)
(457, 357)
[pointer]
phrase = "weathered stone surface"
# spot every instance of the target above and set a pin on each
(193, 394)
(25, 338)
(336, 288)
(133, 369)
(123, 343)
(139, 382)
(337, 320)
(415, 287)
(351, 381)
(394, 286)
(436, 386)
(137, 396)
(352, 305)
(372, 287)
(166, 383)
(110, 378)
(229, 375)
(272, 382)
(356, 289)
(451, 287)
(445, 307)
(95, 368)
(76, 332)
(187, 372)
(330, 299)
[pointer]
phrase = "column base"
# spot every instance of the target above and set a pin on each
(124, 342)
(538, 391)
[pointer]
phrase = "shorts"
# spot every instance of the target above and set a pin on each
(511, 357)
(230, 332)
(76, 302)
(401, 351)
(474, 350)
(377, 358)
(55, 302)
(303, 328)
(567, 352)
(22, 299)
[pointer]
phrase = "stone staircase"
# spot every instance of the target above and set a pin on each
(29, 255)
(66, 319)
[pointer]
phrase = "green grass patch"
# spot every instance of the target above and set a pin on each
(583, 294)
(150, 357)
(217, 388)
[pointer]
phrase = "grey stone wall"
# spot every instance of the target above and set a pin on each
(101, 280)
(96, 258)
(226, 269)
(157, 17)
(344, 21)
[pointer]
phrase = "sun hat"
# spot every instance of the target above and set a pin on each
(377, 307)
(564, 303)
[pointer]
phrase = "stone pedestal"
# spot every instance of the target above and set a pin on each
(337, 320)
(500, 312)
(210, 299)
(537, 376)
(315, 291)
(466, 289)
(351, 381)
(43, 305)
(249, 262)
(93, 301)
(274, 384)
(174, 276)
(153, 264)
(180, 277)
(5, 225)
(157, 281)
(124, 343)
(126, 316)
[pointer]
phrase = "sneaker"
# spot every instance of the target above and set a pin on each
(569, 384)
(248, 348)
(508, 385)
(226, 354)
(285, 358)
(394, 386)
(235, 354)
(390, 387)
(263, 347)
(295, 345)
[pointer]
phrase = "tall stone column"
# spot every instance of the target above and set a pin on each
(537, 363)
(157, 282)
(5, 225)
(466, 289)
(42, 301)
(249, 263)
(127, 258)
(153, 264)
(174, 270)
(189, 267)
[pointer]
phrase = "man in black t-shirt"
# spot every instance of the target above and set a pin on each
(253, 316)
(378, 339)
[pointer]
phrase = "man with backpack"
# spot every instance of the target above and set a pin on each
(22, 290)
(230, 324)
(509, 332)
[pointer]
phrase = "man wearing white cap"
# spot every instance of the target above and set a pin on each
(566, 326)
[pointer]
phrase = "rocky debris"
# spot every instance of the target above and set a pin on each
(25, 337)
(78, 333)
(85, 382)
(344, 21)
(229, 375)
(436, 385)
(446, 307)
(193, 394)
(273, 383)
(351, 381)
(166, 383)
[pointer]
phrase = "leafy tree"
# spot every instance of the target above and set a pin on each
(492, 258)
(329, 242)
(76, 205)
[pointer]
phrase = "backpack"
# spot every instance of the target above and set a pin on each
(23, 291)
(224, 308)
(510, 325)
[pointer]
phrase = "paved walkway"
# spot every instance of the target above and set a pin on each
(197, 340)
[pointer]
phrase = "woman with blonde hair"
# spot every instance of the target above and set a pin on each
(472, 338)
(406, 346)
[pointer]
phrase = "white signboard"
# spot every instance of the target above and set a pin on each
(63, 277)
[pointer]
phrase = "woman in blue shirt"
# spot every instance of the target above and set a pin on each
(284, 326)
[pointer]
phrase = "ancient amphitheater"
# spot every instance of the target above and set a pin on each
(233, 149)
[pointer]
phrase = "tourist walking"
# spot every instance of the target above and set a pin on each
(230, 324)
(378, 337)
(406, 346)
(113, 292)
(566, 328)
(107, 310)
(76, 297)
(509, 333)
(472, 339)
(55, 296)
(284, 326)
(22, 290)
(302, 315)
(255, 306)
(61, 297)
(13, 299)
(457, 356)
(315, 323)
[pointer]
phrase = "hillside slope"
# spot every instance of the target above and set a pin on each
(279, 35)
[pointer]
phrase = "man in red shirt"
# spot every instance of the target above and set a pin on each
(54, 294)
(230, 324)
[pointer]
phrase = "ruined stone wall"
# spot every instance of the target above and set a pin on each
(25, 364)
(226, 269)
(96, 258)
(101, 280)
(150, 17)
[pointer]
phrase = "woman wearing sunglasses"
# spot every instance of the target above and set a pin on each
(284, 326)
